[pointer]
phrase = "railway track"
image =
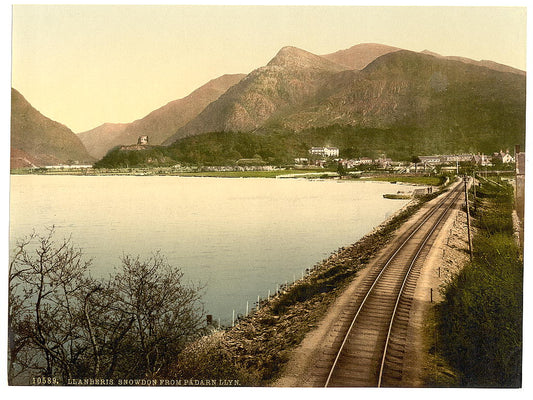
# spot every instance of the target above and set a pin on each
(369, 347)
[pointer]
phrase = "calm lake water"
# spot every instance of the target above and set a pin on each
(240, 237)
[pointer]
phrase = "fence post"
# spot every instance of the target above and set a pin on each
(468, 221)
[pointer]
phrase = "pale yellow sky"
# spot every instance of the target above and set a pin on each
(86, 65)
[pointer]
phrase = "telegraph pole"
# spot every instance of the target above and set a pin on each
(474, 183)
(465, 179)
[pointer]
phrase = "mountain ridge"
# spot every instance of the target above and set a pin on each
(386, 91)
(359, 55)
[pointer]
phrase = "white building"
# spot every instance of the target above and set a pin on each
(503, 157)
(325, 151)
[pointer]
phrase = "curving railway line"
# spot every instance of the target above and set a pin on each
(369, 348)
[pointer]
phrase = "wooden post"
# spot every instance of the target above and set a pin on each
(258, 302)
(468, 221)
(246, 307)
(474, 183)
(233, 318)
(431, 295)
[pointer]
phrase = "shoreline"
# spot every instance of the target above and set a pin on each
(356, 176)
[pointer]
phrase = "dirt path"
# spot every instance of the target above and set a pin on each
(447, 254)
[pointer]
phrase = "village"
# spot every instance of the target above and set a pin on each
(324, 159)
(320, 156)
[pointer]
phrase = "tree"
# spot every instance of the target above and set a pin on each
(341, 170)
(64, 324)
(163, 313)
(45, 331)
(416, 160)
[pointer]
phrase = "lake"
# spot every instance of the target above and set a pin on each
(240, 237)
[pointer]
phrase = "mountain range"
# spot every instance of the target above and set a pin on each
(449, 102)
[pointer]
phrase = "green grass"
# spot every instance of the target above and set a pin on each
(249, 174)
(414, 179)
(480, 320)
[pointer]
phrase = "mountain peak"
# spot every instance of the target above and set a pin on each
(360, 55)
(293, 57)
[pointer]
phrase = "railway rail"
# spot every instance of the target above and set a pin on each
(369, 349)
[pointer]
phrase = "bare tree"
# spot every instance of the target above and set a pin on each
(45, 278)
(65, 324)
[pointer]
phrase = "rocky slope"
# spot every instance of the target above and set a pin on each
(289, 80)
(405, 88)
(37, 140)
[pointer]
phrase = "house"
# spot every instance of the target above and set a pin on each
(480, 159)
(325, 151)
(142, 140)
(503, 157)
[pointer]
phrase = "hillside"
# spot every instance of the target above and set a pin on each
(39, 140)
(159, 124)
(449, 100)
(290, 79)
(482, 63)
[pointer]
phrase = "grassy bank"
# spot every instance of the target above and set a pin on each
(169, 171)
(412, 179)
(479, 323)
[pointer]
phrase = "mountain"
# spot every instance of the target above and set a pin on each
(405, 88)
(37, 140)
(99, 140)
(291, 78)
(159, 124)
(445, 99)
(483, 63)
(360, 55)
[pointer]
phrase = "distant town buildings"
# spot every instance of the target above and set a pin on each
(142, 140)
(385, 162)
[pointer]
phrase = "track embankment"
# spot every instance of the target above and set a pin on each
(311, 361)
(277, 342)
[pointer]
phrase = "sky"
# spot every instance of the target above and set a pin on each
(84, 65)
